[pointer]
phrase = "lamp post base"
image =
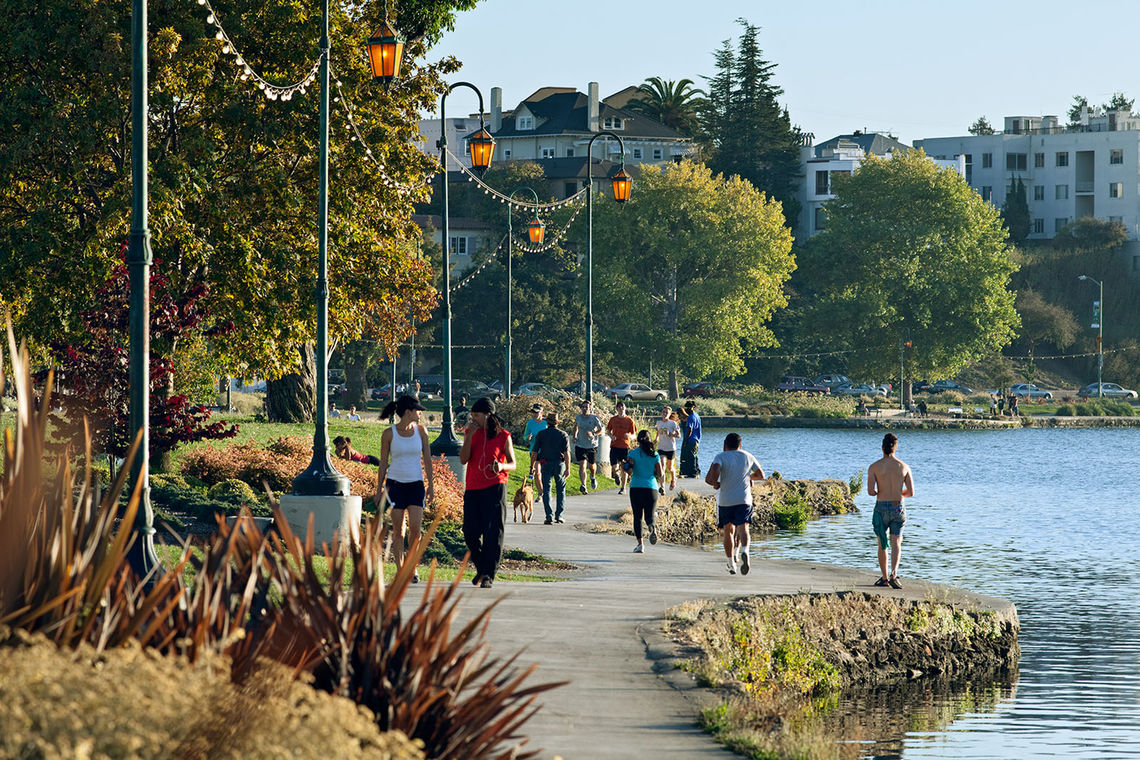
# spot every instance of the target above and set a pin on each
(320, 478)
(334, 517)
(446, 443)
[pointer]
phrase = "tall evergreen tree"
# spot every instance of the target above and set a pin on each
(750, 133)
(1015, 212)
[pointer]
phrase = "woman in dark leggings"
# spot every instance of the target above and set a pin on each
(644, 466)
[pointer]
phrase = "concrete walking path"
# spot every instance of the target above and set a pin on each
(601, 630)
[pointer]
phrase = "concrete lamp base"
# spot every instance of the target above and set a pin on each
(332, 515)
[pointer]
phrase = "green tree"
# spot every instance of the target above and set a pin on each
(910, 253)
(1089, 234)
(1042, 321)
(688, 272)
(981, 127)
(233, 175)
(674, 104)
(1015, 212)
(1119, 102)
(1079, 102)
(749, 132)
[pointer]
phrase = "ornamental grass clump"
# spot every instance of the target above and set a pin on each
(254, 599)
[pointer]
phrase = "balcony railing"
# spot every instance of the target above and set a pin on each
(1085, 187)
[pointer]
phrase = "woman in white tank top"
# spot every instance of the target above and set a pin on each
(404, 459)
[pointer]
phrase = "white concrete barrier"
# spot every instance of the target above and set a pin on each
(332, 516)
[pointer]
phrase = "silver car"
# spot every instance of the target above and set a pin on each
(861, 389)
(636, 392)
(1108, 390)
(1030, 391)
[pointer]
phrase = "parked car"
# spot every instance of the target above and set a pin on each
(431, 385)
(920, 386)
(796, 384)
(1108, 390)
(1030, 391)
(579, 388)
(705, 390)
(384, 392)
(635, 392)
(832, 381)
(949, 385)
(860, 389)
(472, 389)
(539, 389)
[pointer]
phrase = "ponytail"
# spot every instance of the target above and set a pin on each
(389, 410)
(644, 443)
(494, 425)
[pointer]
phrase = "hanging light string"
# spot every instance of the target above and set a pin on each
(358, 137)
(554, 239)
(872, 350)
(504, 198)
(482, 265)
(270, 90)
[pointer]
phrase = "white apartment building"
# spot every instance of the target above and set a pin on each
(1092, 169)
(841, 155)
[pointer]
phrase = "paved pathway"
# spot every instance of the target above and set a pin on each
(601, 630)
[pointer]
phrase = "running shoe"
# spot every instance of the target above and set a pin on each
(559, 520)
(486, 582)
(548, 521)
(661, 490)
(653, 534)
(731, 566)
(621, 490)
(744, 567)
(639, 549)
(582, 489)
(415, 577)
(593, 483)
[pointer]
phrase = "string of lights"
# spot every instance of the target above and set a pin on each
(554, 239)
(504, 198)
(482, 265)
(870, 350)
(270, 90)
(526, 249)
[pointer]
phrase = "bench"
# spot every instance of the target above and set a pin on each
(955, 411)
(875, 411)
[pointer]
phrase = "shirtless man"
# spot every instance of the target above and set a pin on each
(889, 480)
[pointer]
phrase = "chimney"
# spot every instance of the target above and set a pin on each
(496, 109)
(592, 113)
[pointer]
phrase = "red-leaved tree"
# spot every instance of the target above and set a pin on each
(92, 373)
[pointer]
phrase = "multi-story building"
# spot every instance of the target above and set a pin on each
(1088, 169)
(840, 155)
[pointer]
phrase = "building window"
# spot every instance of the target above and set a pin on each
(506, 152)
(987, 160)
(1015, 162)
(524, 123)
(570, 188)
(636, 154)
(1038, 160)
(1063, 158)
(548, 152)
(1038, 226)
(821, 183)
(1038, 192)
(1116, 156)
(820, 218)
(569, 153)
(987, 193)
(459, 245)
(1115, 189)
(1059, 223)
(658, 154)
(614, 122)
(1061, 192)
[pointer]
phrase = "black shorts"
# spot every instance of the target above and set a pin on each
(666, 454)
(404, 495)
(617, 456)
(590, 455)
(741, 514)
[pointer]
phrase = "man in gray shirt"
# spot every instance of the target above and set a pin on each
(731, 474)
(587, 428)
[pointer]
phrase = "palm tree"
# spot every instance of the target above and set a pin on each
(674, 104)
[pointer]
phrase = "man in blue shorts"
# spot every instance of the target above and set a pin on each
(731, 474)
(889, 480)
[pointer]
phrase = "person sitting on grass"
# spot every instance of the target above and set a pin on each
(344, 450)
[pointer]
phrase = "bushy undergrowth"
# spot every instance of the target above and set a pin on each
(791, 510)
(1097, 408)
(515, 411)
(64, 572)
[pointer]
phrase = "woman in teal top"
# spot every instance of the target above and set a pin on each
(644, 467)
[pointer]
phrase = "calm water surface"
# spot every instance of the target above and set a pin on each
(1049, 519)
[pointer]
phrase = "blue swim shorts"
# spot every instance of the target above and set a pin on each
(890, 516)
(739, 514)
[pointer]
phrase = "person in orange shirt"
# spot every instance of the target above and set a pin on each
(621, 429)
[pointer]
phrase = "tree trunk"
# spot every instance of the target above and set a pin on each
(293, 397)
(356, 378)
(674, 388)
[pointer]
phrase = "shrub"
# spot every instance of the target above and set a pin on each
(1097, 408)
(236, 492)
(447, 504)
(792, 510)
(855, 483)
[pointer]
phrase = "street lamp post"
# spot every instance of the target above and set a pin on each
(1099, 336)
(142, 556)
(622, 184)
(535, 232)
(481, 145)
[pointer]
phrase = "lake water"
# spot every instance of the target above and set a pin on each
(1049, 519)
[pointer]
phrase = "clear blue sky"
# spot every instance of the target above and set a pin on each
(916, 68)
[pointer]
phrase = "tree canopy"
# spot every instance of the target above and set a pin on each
(981, 127)
(689, 271)
(910, 252)
(233, 176)
(674, 104)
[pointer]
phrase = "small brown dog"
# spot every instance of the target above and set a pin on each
(524, 502)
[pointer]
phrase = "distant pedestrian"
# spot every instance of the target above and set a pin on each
(405, 458)
(587, 428)
(889, 480)
(551, 451)
(1013, 404)
(1001, 406)
(352, 415)
(534, 426)
(333, 411)
(731, 473)
(644, 467)
(993, 404)
(621, 428)
(668, 433)
(343, 447)
(490, 457)
(461, 411)
(690, 442)
(415, 392)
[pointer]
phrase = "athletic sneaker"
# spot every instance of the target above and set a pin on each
(415, 577)
(731, 567)
(486, 582)
(652, 534)
(582, 489)
(744, 562)
(559, 520)
(639, 549)
(548, 521)
(661, 490)
(593, 483)
(621, 490)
